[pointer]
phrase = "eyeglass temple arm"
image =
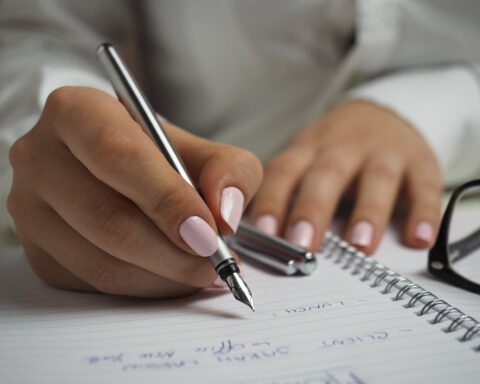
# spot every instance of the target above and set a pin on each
(465, 246)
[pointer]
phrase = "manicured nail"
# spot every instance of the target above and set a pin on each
(231, 206)
(301, 234)
(219, 283)
(362, 234)
(424, 231)
(267, 224)
(199, 236)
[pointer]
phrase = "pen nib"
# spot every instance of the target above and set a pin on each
(240, 290)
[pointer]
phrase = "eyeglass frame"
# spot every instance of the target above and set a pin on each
(439, 263)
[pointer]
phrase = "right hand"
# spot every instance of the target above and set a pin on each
(97, 207)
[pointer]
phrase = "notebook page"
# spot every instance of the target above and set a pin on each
(326, 328)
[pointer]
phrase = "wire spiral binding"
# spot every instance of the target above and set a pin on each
(341, 252)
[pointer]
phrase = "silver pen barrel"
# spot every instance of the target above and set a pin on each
(132, 97)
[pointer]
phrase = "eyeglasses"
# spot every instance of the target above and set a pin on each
(455, 257)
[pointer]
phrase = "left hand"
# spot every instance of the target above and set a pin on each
(359, 142)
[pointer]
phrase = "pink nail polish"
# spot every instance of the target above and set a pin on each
(362, 234)
(424, 231)
(231, 206)
(199, 236)
(219, 283)
(301, 234)
(267, 224)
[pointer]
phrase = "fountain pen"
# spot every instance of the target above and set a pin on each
(132, 97)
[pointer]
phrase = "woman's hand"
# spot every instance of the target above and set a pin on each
(355, 143)
(97, 207)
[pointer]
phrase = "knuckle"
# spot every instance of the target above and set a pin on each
(277, 165)
(20, 209)
(246, 157)
(250, 163)
(20, 153)
(385, 171)
(322, 208)
(61, 100)
(286, 163)
(334, 164)
(372, 211)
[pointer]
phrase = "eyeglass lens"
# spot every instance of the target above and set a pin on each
(464, 235)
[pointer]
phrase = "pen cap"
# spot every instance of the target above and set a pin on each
(280, 264)
(278, 248)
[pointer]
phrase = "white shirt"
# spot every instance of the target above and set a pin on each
(252, 72)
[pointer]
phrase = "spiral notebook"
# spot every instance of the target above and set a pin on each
(353, 321)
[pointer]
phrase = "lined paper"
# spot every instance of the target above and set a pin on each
(326, 328)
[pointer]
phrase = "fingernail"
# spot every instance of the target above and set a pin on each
(362, 234)
(199, 236)
(219, 283)
(424, 231)
(267, 224)
(231, 206)
(301, 234)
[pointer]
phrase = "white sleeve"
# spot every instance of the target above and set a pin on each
(45, 44)
(443, 104)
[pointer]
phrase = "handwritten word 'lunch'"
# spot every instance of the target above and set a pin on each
(310, 308)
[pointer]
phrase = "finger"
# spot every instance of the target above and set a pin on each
(91, 265)
(113, 223)
(270, 206)
(116, 150)
(424, 189)
(318, 196)
(377, 191)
